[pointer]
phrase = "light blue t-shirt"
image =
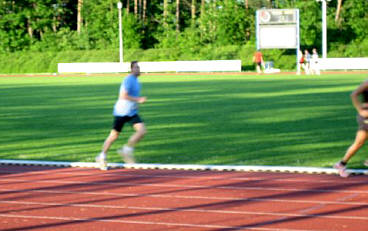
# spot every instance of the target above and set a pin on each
(124, 107)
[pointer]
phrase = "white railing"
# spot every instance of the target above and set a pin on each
(170, 66)
(343, 64)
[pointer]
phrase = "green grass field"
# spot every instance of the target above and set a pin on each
(191, 119)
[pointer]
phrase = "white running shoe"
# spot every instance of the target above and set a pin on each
(127, 154)
(341, 169)
(101, 160)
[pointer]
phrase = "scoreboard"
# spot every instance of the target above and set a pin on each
(277, 28)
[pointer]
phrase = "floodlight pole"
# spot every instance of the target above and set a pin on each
(297, 42)
(324, 27)
(120, 5)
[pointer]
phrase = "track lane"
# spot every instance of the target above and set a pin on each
(181, 200)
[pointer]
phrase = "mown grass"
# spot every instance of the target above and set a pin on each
(191, 119)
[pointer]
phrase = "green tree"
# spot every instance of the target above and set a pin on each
(102, 25)
(23, 23)
(355, 16)
(226, 22)
(13, 26)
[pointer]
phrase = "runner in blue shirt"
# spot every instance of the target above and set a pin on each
(126, 110)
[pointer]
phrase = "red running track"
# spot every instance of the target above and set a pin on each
(49, 198)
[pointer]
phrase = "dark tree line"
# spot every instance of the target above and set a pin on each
(41, 25)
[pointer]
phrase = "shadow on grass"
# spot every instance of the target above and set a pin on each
(269, 120)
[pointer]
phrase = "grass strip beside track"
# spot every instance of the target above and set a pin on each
(224, 119)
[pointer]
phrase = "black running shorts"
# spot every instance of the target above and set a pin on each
(119, 121)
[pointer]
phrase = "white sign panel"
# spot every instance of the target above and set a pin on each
(278, 37)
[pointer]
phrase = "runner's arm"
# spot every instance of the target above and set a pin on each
(354, 96)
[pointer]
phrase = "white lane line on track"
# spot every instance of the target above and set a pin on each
(8, 180)
(284, 215)
(313, 208)
(75, 219)
(321, 205)
(240, 199)
(104, 173)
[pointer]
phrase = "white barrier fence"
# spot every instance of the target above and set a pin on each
(171, 66)
(343, 64)
(199, 66)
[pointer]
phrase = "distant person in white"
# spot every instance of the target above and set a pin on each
(314, 63)
(126, 110)
(307, 59)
